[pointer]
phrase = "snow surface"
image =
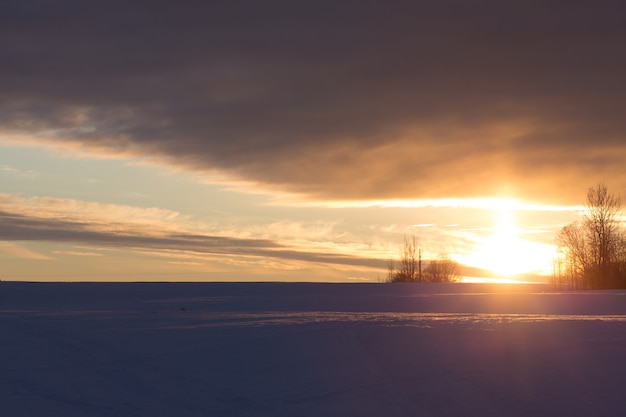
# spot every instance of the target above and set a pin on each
(295, 349)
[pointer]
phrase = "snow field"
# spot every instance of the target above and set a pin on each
(277, 349)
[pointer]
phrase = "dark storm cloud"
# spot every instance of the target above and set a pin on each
(18, 227)
(335, 99)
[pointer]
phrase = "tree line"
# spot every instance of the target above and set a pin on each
(409, 268)
(592, 251)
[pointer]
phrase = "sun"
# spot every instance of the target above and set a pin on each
(504, 252)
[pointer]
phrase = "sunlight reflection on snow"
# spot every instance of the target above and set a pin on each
(423, 320)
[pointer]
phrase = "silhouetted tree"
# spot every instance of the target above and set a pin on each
(593, 252)
(443, 269)
(602, 233)
(574, 261)
(391, 270)
(408, 268)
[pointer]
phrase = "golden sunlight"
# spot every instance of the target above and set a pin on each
(505, 253)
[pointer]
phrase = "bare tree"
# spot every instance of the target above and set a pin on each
(391, 270)
(408, 268)
(575, 259)
(408, 260)
(594, 250)
(602, 232)
(442, 269)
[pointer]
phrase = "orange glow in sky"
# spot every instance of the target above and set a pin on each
(124, 221)
(505, 253)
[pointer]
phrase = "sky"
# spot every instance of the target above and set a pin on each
(281, 140)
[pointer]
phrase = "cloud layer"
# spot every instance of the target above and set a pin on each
(330, 99)
(71, 221)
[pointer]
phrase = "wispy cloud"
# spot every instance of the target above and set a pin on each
(489, 203)
(7, 169)
(72, 221)
(55, 213)
(76, 253)
(15, 250)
